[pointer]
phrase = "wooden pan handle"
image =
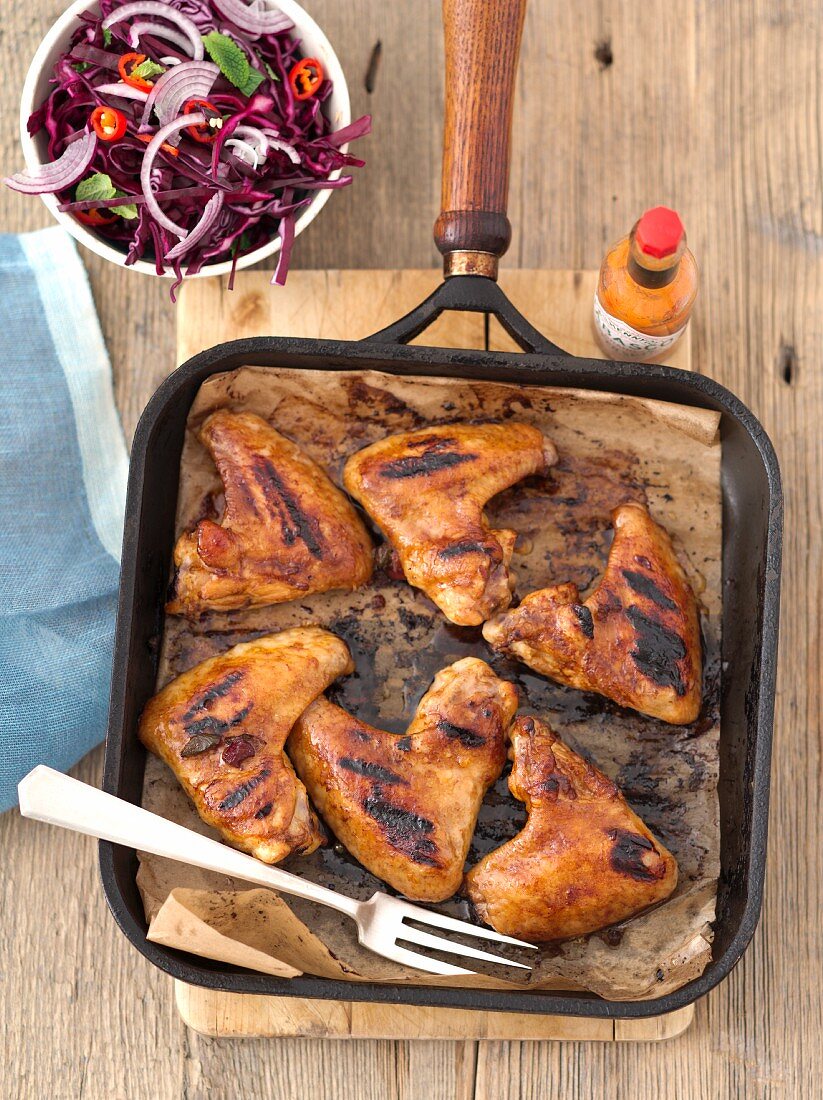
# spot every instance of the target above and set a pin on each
(482, 48)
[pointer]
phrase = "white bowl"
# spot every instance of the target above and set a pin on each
(36, 87)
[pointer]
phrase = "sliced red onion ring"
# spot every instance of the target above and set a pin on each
(125, 91)
(254, 20)
(253, 134)
(148, 26)
(158, 10)
(210, 214)
(60, 173)
(188, 80)
(242, 149)
(197, 118)
(277, 142)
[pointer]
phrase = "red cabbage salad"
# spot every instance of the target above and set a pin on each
(188, 132)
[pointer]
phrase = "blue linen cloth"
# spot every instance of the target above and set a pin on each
(63, 467)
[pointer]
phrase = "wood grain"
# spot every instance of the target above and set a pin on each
(482, 48)
(227, 1015)
(349, 305)
(714, 108)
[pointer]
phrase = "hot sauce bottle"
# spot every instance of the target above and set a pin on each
(646, 289)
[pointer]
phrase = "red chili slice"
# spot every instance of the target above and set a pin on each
(126, 65)
(108, 123)
(94, 217)
(306, 77)
(204, 132)
(170, 149)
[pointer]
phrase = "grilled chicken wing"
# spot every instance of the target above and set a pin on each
(405, 806)
(287, 531)
(636, 639)
(583, 861)
(427, 489)
(221, 728)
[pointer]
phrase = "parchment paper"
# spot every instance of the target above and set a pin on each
(612, 449)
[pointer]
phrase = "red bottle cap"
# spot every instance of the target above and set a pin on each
(659, 232)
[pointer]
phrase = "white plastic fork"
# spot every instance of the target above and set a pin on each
(46, 795)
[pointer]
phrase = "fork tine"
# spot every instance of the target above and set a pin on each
(427, 916)
(420, 962)
(439, 943)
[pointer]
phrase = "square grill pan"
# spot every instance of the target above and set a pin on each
(752, 526)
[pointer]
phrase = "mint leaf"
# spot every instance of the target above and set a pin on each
(146, 69)
(128, 210)
(256, 78)
(272, 74)
(229, 58)
(98, 186)
(106, 36)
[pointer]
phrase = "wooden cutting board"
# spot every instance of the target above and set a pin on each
(350, 305)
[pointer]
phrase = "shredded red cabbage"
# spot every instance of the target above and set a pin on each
(261, 194)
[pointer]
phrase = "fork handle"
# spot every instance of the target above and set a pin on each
(47, 795)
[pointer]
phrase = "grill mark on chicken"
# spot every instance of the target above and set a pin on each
(657, 650)
(264, 811)
(218, 726)
(419, 465)
(370, 770)
(627, 855)
(465, 736)
(645, 586)
(584, 617)
(466, 546)
(403, 829)
(404, 744)
(231, 801)
(295, 522)
(434, 457)
(216, 691)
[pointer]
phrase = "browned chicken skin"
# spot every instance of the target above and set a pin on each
(427, 489)
(636, 639)
(221, 728)
(583, 861)
(406, 806)
(287, 531)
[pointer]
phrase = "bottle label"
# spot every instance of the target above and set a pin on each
(625, 341)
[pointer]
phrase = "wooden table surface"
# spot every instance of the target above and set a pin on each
(715, 108)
